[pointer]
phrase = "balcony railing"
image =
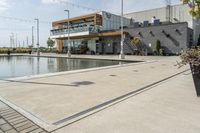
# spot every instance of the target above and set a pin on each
(62, 31)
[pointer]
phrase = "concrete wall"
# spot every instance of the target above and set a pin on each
(147, 15)
(178, 13)
(173, 37)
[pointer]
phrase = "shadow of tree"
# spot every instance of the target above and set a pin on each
(82, 83)
(74, 84)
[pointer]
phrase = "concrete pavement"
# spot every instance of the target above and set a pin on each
(51, 100)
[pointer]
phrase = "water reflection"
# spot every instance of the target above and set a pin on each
(16, 66)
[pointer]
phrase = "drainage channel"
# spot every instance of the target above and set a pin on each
(12, 121)
(97, 108)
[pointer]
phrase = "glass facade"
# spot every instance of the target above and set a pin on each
(113, 22)
(80, 45)
(109, 22)
(76, 28)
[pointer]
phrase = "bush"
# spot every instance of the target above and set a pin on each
(192, 57)
(158, 46)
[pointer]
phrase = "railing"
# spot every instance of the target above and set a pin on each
(91, 29)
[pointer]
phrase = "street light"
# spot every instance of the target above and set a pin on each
(32, 43)
(38, 51)
(68, 41)
(122, 56)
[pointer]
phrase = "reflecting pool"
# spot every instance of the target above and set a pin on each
(17, 66)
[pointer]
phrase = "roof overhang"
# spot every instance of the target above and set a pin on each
(89, 17)
(94, 35)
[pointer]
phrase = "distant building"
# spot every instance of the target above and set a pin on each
(173, 14)
(99, 33)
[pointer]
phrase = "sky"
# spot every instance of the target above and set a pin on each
(17, 16)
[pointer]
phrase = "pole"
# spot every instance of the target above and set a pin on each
(38, 51)
(68, 40)
(27, 41)
(16, 41)
(13, 40)
(10, 41)
(32, 36)
(23, 44)
(122, 56)
(194, 26)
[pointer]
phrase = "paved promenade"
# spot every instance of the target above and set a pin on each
(152, 96)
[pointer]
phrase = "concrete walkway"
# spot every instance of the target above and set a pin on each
(170, 107)
(94, 101)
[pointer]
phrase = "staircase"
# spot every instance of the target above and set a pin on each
(129, 48)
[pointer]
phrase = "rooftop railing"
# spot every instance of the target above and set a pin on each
(62, 31)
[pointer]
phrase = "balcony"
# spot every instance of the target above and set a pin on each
(74, 31)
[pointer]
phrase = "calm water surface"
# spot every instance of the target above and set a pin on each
(17, 66)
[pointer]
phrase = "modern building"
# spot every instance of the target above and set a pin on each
(173, 14)
(99, 33)
(87, 31)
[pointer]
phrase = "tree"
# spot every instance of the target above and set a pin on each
(194, 6)
(50, 43)
(158, 46)
(30, 46)
(198, 43)
(137, 42)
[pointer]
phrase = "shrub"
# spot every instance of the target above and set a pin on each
(192, 57)
(158, 46)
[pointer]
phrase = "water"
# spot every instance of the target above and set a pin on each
(17, 66)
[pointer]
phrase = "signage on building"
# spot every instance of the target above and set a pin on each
(108, 15)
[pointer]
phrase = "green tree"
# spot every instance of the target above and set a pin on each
(50, 43)
(30, 46)
(194, 6)
(158, 46)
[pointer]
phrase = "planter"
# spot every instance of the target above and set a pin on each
(196, 78)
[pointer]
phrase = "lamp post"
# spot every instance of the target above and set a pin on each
(68, 41)
(122, 56)
(38, 51)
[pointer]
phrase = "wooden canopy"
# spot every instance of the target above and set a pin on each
(94, 17)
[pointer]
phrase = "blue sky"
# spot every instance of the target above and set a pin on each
(51, 10)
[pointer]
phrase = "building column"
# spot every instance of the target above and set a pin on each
(60, 45)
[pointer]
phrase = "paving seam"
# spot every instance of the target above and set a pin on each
(18, 118)
(107, 104)
(23, 112)
(33, 130)
(1, 130)
(9, 114)
(8, 124)
(15, 124)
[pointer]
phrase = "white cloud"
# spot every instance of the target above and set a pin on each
(49, 1)
(54, 1)
(4, 4)
(62, 2)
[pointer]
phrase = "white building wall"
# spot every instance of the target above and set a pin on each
(147, 15)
